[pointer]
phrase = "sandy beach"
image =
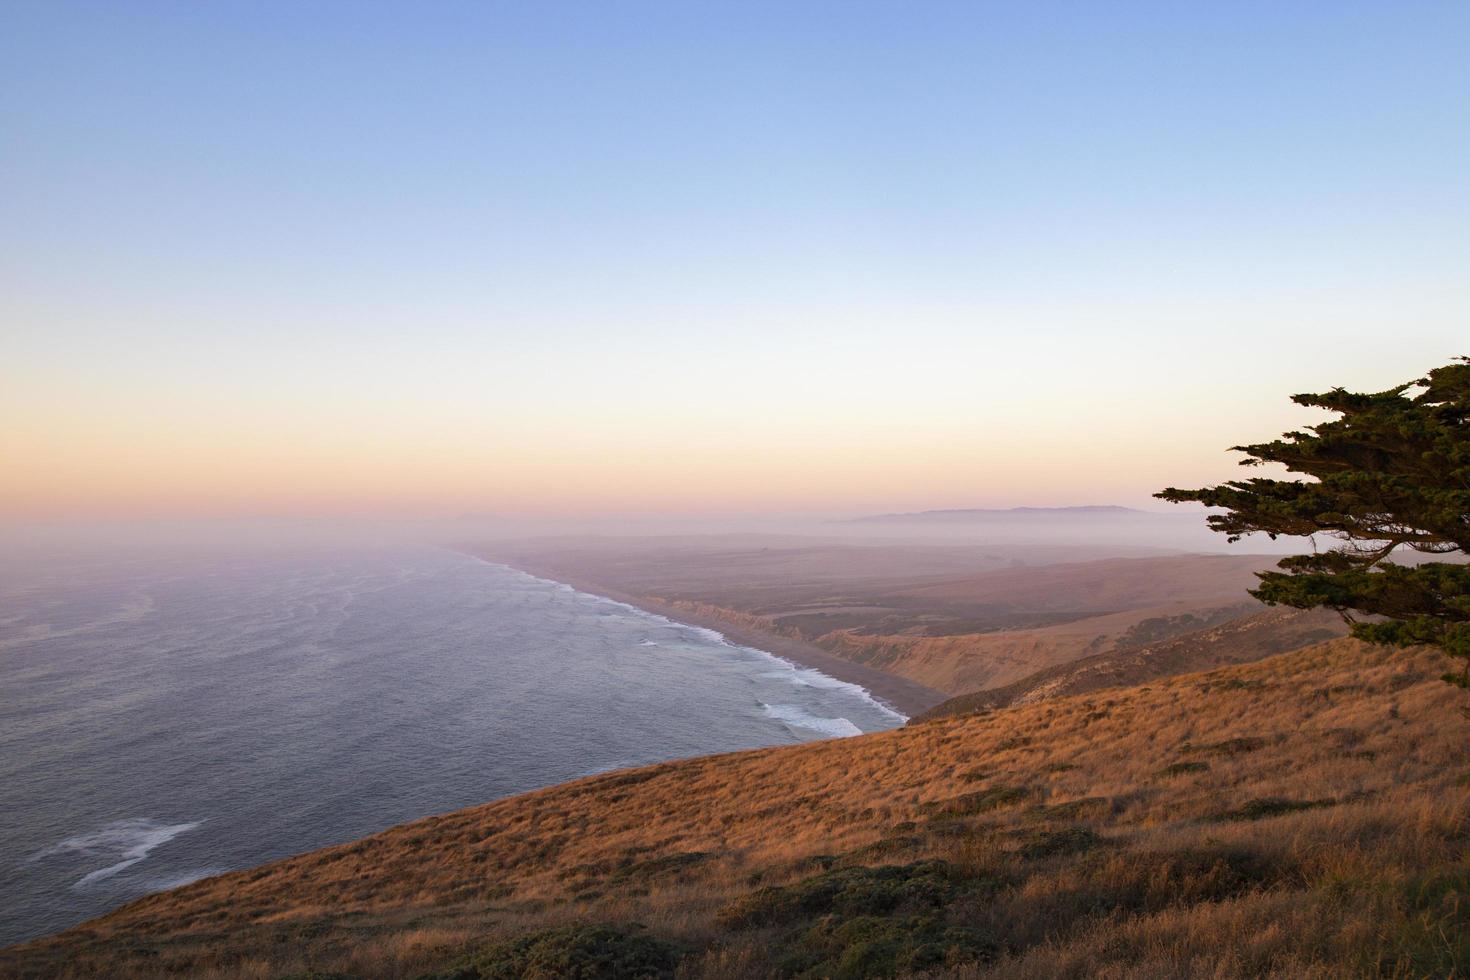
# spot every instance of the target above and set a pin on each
(904, 696)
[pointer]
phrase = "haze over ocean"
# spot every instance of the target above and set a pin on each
(163, 718)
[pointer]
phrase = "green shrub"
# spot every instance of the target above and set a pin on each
(1230, 746)
(578, 952)
(847, 892)
(1429, 935)
(1050, 843)
(1271, 806)
(886, 847)
(980, 801)
(1151, 881)
(849, 923)
(1073, 809)
(870, 946)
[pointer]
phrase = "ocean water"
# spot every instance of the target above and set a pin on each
(167, 718)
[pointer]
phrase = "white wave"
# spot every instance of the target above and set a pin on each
(808, 677)
(811, 677)
(130, 840)
(792, 715)
(648, 643)
(801, 676)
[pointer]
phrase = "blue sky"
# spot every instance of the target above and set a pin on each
(496, 228)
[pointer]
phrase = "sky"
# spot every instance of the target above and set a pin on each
(551, 259)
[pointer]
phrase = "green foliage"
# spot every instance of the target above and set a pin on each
(629, 867)
(1230, 746)
(847, 892)
(1273, 806)
(1073, 809)
(1391, 471)
(870, 946)
(969, 804)
(864, 922)
(1429, 934)
(578, 952)
(1068, 840)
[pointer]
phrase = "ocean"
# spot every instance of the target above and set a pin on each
(168, 717)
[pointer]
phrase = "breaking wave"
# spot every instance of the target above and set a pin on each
(790, 714)
(122, 843)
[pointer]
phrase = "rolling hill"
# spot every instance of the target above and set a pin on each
(1244, 640)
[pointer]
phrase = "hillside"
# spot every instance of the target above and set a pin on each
(1304, 816)
(1244, 640)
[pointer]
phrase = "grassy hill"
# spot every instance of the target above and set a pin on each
(1301, 816)
(1244, 640)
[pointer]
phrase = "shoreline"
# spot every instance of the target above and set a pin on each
(908, 698)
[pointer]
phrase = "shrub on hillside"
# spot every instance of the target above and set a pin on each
(865, 921)
(1428, 933)
(847, 891)
(849, 923)
(969, 804)
(1273, 806)
(1230, 746)
(867, 946)
(579, 952)
(1051, 843)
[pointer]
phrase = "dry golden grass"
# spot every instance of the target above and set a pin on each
(1239, 641)
(1134, 832)
(963, 662)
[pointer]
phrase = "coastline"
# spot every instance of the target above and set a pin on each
(908, 698)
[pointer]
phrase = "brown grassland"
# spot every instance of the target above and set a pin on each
(1304, 816)
(1246, 639)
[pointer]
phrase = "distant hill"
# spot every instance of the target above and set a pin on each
(1244, 640)
(983, 514)
(1299, 817)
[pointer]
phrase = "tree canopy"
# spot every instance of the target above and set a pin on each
(1389, 474)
